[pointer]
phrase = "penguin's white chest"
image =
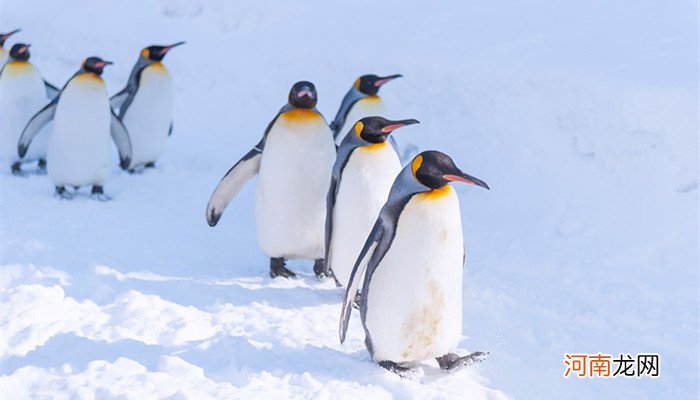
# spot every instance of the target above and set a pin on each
(414, 309)
(149, 116)
(4, 56)
(364, 188)
(294, 176)
(80, 151)
(366, 107)
(22, 94)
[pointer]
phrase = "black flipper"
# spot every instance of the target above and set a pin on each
(121, 138)
(118, 99)
(38, 121)
(51, 91)
(170, 130)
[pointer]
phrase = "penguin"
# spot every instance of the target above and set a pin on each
(79, 152)
(363, 173)
(22, 91)
(293, 161)
(146, 106)
(4, 54)
(362, 100)
(411, 305)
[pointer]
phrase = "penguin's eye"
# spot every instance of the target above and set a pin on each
(359, 126)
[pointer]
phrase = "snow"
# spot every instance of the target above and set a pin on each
(580, 115)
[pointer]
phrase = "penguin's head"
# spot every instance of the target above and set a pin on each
(303, 95)
(5, 36)
(95, 65)
(156, 53)
(435, 170)
(370, 84)
(377, 129)
(20, 52)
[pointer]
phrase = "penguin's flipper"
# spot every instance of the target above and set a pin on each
(43, 117)
(170, 131)
(341, 161)
(51, 91)
(358, 270)
(231, 184)
(118, 99)
(351, 97)
(121, 139)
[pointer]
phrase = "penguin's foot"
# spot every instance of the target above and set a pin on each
(452, 362)
(356, 301)
(17, 169)
(63, 194)
(98, 194)
(277, 268)
(396, 368)
(41, 167)
(320, 268)
(151, 164)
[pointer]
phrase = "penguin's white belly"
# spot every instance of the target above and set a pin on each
(414, 309)
(295, 172)
(364, 188)
(4, 56)
(80, 151)
(149, 116)
(22, 94)
(366, 107)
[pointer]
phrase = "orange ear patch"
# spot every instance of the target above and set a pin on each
(359, 126)
(416, 164)
(145, 53)
(357, 83)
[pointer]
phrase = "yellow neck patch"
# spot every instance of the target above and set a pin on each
(435, 193)
(88, 77)
(374, 146)
(300, 115)
(372, 98)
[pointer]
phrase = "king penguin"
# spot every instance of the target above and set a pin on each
(362, 100)
(363, 172)
(293, 161)
(146, 106)
(4, 54)
(411, 306)
(22, 91)
(79, 151)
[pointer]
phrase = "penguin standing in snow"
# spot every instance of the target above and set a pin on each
(22, 91)
(362, 100)
(293, 161)
(79, 151)
(411, 306)
(4, 54)
(146, 106)
(363, 173)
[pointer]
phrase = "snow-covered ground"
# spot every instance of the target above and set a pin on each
(581, 115)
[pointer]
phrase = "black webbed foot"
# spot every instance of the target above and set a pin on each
(98, 194)
(320, 268)
(41, 167)
(63, 194)
(277, 268)
(17, 169)
(395, 367)
(452, 362)
(151, 164)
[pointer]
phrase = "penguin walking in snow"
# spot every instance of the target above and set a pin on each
(363, 173)
(293, 161)
(4, 54)
(79, 151)
(22, 91)
(411, 305)
(362, 100)
(146, 106)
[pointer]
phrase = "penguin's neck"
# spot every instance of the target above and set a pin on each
(436, 194)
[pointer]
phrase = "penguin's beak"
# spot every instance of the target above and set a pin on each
(466, 178)
(166, 49)
(24, 48)
(7, 35)
(398, 124)
(306, 92)
(379, 82)
(102, 64)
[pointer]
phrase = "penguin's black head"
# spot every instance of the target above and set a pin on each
(370, 84)
(377, 129)
(95, 65)
(5, 36)
(303, 95)
(20, 52)
(435, 170)
(156, 53)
